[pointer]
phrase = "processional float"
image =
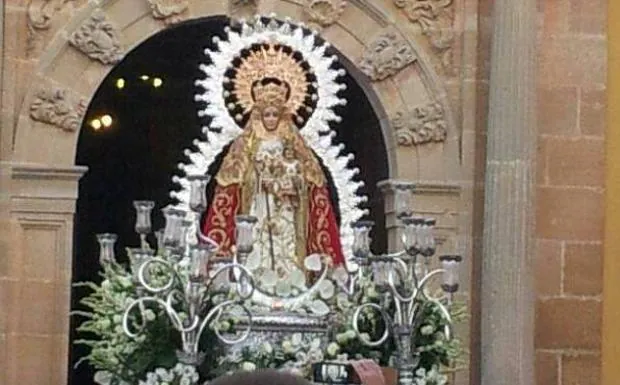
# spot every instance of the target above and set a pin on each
(266, 257)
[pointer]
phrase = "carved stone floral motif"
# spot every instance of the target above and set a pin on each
(323, 13)
(385, 56)
(98, 39)
(435, 20)
(54, 106)
(423, 124)
(169, 11)
(39, 17)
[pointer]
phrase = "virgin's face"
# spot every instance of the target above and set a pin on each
(270, 117)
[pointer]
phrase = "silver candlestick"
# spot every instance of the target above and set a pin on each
(403, 282)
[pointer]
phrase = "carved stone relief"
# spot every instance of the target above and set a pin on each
(422, 124)
(323, 13)
(98, 39)
(386, 55)
(247, 6)
(435, 20)
(39, 17)
(54, 106)
(169, 11)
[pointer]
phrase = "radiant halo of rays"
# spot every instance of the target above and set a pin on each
(317, 133)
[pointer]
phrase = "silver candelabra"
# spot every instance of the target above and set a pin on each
(178, 277)
(402, 278)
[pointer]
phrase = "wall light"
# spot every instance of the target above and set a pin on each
(95, 124)
(144, 77)
(120, 83)
(106, 120)
(157, 82)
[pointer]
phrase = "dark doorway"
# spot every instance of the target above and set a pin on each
(149, 97)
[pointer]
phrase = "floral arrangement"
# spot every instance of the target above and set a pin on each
(150, 357)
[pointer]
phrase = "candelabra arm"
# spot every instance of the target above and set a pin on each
(390, 256)
(234, 266)
(216, 313)
(298, 301)
(203, 238)
(386, 319)
(446, 314)
(138, 302)
(174, 316)
(425, 281)
(142, 275)
(397, 295)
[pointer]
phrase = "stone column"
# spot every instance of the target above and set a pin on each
(37, 204)
(507, 298)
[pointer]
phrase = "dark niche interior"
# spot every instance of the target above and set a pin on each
(149, 98)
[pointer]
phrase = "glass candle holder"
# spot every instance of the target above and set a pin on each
(198, 192)
(199, 257)
(361, 238)
(159, 235)
(172, 231)
(402, 201)
(427, 237)
(410, 235)
(137, 257)
(106, 248)
(143, 216)
(183, 229)
(245, 233)
(450, 263)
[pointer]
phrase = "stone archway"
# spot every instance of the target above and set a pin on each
(41, 179)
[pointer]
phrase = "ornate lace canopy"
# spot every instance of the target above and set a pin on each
(245, 55)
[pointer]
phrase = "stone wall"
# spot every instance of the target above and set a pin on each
(572, 99)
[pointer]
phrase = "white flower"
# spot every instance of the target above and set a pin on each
(297, 279)
(350, 334)
(319, 307)
(315, 355)
(301, 357)
(315, 344)
(161, 372)
(313, 262)
(341, 338)
(333, 349)
(287, 346)
(269, 279)
(267, 348)
(327, 289)
(185, 381)
(340, 275)
(296, 339)
(124, 281)
(149, 315)
(283, 288)
(248, 366)
(365, 337)
(104, 378)
(427, 330)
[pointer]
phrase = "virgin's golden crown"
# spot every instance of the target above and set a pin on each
(270, 61)
(270, 95)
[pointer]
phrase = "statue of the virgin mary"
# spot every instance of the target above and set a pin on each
(271, 173)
